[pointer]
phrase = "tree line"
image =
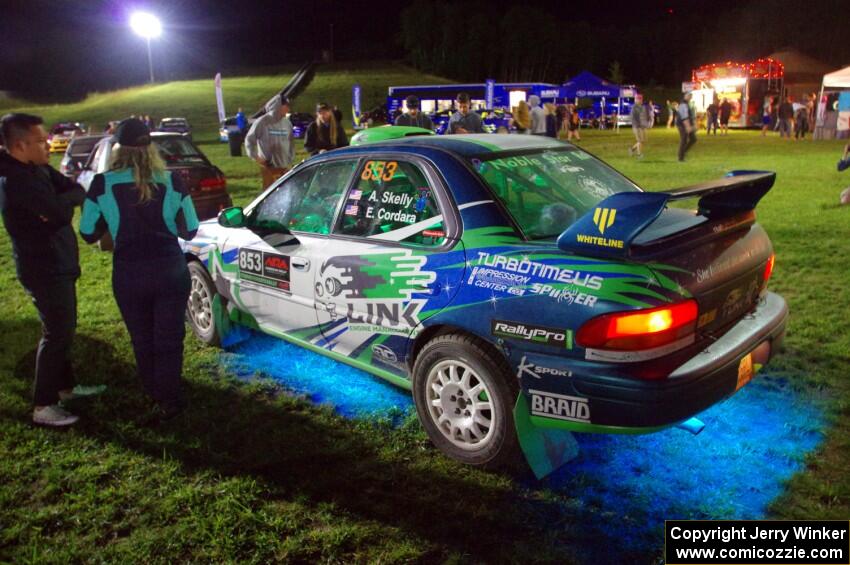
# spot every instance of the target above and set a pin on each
(471, 41)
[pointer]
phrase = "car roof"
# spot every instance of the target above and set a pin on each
(467, 145)
(174, 120)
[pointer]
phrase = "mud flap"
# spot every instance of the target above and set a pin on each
(545, 449)
(229, 332)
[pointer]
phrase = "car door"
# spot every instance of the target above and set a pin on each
(275, 272)
(96, 163)
(395, 259)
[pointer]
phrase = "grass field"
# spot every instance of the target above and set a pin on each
(251, 475)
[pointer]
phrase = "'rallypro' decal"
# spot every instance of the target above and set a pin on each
(536, 334)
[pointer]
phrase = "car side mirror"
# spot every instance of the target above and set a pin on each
(233, 217)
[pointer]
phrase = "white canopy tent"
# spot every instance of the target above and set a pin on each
(834, 81)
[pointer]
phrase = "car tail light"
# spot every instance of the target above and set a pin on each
(768, 269)
(640, 329)
(213, 184)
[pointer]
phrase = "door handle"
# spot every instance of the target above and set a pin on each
(300, 263)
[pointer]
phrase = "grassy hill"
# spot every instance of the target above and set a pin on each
(195, 99)
(250, 475)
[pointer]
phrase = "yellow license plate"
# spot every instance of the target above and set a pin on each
(745, 371)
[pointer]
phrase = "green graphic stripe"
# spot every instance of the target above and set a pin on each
(381, 373)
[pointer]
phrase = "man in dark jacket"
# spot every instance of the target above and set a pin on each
(38, 206)
(414, 117)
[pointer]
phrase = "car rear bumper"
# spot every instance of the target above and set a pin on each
(209, 205)
(628, 405)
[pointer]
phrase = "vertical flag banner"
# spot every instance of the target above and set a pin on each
(219, 97)
(355, 106)
(489, 92)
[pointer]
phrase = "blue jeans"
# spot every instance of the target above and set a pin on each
(152, 298)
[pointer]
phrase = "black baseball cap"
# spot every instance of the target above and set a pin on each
(322, 106)
(133, 133)
(412, 101)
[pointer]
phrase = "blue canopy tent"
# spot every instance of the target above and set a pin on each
(587, 85)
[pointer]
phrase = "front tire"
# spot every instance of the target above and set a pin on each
(199, 308)
(464, 396)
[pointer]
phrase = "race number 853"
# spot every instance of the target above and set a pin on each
(250, 261)
(379, 170)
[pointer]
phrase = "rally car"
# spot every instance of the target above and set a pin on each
(516, 284)
(61, 134)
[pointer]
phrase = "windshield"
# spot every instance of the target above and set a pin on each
(548, 189)
(178, 150)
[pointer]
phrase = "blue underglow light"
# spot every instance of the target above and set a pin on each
(351, 392)
(620, 489)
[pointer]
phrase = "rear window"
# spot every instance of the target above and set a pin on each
(83, 145)
(175, 150)
(547, 190)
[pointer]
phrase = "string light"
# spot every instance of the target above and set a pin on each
(764, 67)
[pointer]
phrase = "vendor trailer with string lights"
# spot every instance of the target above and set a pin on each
(744, 85)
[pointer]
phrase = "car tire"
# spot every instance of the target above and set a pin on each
(199, 308)
(464, 396)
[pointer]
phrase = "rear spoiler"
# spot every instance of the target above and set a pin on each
(610, 228)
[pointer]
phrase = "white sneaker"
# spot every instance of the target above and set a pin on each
(54, 416)
(81, 391)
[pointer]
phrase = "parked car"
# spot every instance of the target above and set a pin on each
(300, 122)
(175, 125)
(513, 283)
(60, 135)
(225, 127)
(77, 153)
(207, 184)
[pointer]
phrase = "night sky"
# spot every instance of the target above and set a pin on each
(55, 49)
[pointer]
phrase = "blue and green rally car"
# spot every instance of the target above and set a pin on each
(515, 284)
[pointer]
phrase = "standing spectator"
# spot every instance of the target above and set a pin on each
(562, 118)
(325, 133)
(711, 117)
(766, 110)
(786, 114)
(270, 142)
(671, 113)
(146, 208)
(464, 120)
(725, 114)
(801, 122)
(574, 123)
(652, 114)
(641, 120)
(413, 117)
(810, 104)
(538, 116)
(38, 206)
(686, 124)
(551, 120)
(241, 121)
(522, 117)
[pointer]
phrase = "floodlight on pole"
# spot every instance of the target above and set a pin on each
(148, 26)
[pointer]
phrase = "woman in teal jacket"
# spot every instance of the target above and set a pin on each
(145, 209)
